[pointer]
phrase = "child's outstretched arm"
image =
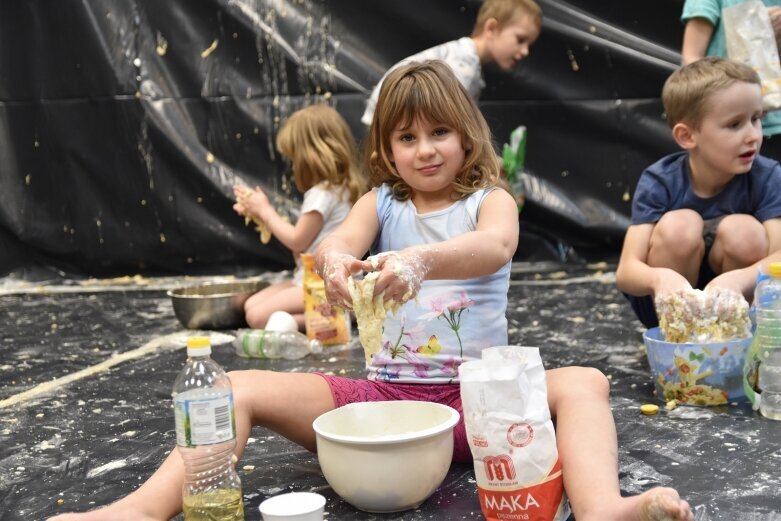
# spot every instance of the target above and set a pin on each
(633, 274)
(481, 252)
(473, 254)
(255, 204)
(339, 254)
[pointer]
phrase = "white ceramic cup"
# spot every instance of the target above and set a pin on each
(294, 506)
(281, 321)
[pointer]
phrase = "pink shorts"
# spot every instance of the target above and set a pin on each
(349, 390)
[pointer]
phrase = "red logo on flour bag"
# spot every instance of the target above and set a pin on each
(479, 442)
(499, 468)
(517, 468)
(540, 502)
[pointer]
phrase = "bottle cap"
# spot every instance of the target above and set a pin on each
(199, 346)
(315, 346)
(775, 270)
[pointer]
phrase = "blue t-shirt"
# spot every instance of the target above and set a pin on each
(450, 321)
(666, 186)
(711, 11)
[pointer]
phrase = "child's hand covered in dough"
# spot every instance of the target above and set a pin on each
(401, 274)
(334, 268)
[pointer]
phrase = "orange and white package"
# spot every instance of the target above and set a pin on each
(511, 436)
(328, 324)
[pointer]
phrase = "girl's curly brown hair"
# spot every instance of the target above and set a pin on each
(430, 91)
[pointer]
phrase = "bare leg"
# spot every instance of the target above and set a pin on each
(284, 296)
(287, 403)
(677, 243)
(740, 241)
(586, 440)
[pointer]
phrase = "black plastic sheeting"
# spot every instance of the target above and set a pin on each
(125, 123)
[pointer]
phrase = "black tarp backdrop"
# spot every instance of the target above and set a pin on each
(124, 124)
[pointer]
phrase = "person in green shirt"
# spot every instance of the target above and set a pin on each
(704, 35)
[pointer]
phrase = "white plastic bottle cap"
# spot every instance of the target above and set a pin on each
(281, 321)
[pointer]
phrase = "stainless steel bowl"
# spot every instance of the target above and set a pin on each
(217, 305)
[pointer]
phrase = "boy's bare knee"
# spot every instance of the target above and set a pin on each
(679, 231)
(742, 239)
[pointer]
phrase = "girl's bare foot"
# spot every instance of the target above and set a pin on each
(663, 504)
(658, 504)
(104, 514)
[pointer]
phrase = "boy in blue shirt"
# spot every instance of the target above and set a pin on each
(711, 214)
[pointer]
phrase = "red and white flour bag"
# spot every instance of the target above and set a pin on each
(510, 432)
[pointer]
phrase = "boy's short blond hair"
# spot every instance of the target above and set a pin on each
(506, 11)
(686, 92)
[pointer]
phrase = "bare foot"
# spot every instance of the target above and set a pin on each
(663, 504)
(657, 504)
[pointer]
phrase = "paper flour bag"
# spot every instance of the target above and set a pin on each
(750, 40)
(510, 433)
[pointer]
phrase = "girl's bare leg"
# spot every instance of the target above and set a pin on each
(587, 444)
(284, 296)
(287, 403)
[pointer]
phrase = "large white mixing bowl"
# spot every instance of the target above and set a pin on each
(386, 456)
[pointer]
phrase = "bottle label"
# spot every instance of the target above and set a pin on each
(204, 420)
(253, 343)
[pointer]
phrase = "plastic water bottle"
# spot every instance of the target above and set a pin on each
(262, 343)
(767, 300)
(206, 437)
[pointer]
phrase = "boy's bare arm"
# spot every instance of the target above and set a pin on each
(696, 37)
(634, 276)
(773, 229)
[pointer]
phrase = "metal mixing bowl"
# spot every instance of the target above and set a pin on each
(216, 305)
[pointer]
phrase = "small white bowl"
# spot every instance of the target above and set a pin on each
(386, 456)
(294, 506)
